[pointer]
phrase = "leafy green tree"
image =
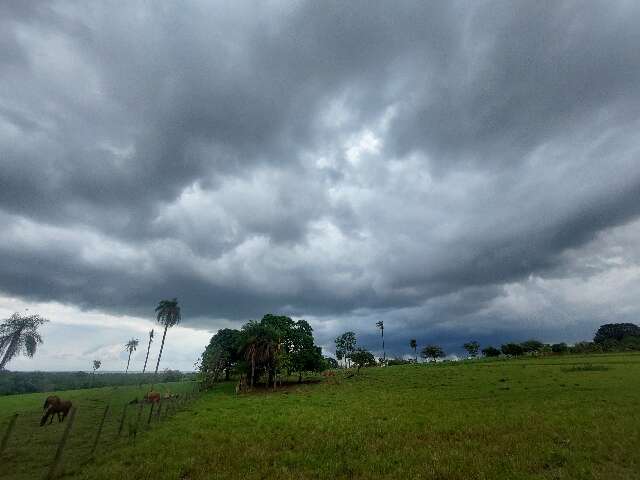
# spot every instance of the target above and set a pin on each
(345, 346)
(260, 346)
(532, 346)
(19, 334)
(380, 325)
(433, 352)
(559, 348)
(490, 351)
(220, 355)
(413, 343)
(361, 357)
(144, 369)
(301, 353)
(472, 348)
(168, 315)
(330, 363)
(96, 364)
(616, 331)
(512, 349)
(131, 346)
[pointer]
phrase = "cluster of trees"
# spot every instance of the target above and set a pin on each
(268, 349)
(611, 337)
(348, 351)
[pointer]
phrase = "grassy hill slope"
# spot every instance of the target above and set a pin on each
(558, 417)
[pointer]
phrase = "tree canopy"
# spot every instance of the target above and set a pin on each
(274, 345)
(616, 331)
(472, 348)
(432, 352)
(18, 334)
(361, 357)
(490, 351)
(345, 346)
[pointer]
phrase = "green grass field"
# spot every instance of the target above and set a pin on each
(31, 448)
(549, 418)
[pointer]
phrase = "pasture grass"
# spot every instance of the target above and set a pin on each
(31, 448)
(534, 418)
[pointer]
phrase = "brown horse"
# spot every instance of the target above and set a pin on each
(56, 406)
(51, 400)
(152, 397)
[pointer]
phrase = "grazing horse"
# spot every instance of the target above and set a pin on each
(59, 407)
(152, 397)
(51, 400)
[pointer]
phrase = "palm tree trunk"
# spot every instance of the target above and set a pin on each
(128, 360)
(253, 367)
(161, 347)
(147, 357)
(415, 353)
(384, 354)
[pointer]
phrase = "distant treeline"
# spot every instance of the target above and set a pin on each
(33, 382)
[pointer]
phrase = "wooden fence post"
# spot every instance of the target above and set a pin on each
(97, 439)
(150, 412)
(7, 433)
(159, 410)
(63, 441)
(137, 424)
(124, 414)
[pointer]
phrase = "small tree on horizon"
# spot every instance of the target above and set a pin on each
(345, 346)
(512, 349)
(490, 351)
(413, 343)
(96, 364)
(472, 348)
(131, 346)
(362, 357)
(433, 352)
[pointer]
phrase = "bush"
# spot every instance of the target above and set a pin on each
(512, 349)
(559, 348)
(490, 352)
(398, 361)
(532, 346)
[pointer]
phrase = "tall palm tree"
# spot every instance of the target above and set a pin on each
(148, 348)
(131, 346)
(260, 347)
(19, 334)
(168, 315)
(380, 325)
(414, 344)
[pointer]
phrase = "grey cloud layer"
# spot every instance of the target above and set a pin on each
(321, 159)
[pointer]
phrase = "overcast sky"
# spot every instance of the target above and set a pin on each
(460, 170)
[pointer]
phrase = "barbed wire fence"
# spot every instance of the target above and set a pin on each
(29, 451)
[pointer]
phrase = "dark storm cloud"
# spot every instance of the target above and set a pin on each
(318, 159)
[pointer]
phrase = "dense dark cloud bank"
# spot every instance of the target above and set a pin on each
(458, 169)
